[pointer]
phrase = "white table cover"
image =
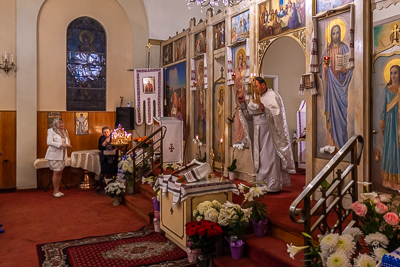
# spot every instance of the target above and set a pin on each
(181, 192)
(87, 159)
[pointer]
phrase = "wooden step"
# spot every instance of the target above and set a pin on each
(140, 204)
(271, 250)
(145, 190)
(228, 261)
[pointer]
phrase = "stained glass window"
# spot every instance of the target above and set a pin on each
(86, 65)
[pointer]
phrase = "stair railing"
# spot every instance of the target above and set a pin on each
(353, 147)
(144, 154)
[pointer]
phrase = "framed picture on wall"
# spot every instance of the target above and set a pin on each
(180, 49)
(219, 35)
(335, 117)
(148, 85)
(200, 43)
(240, 27)
(51, 116)
(276, 18)
(81, 123)
(167, 54)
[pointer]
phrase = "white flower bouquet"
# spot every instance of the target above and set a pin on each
(115, 188)
(235, 218)
(336, 250)
(207, 210)
(251, 193)
(126, 169)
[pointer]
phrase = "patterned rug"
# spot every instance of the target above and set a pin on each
(141, 248)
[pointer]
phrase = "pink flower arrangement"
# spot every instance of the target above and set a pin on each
(359, 208)
(391, 218)
(381, 208)
(379, 214)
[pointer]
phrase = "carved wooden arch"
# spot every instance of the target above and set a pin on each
(298, 35)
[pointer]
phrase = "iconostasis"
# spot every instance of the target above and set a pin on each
(221, 53)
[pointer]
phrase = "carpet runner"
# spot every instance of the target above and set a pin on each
(140, 248)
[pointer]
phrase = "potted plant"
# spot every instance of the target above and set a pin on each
(231, 168)
(114, 189)
(259, 212)
(202, 236)
(234, 219)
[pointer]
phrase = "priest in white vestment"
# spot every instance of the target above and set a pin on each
(271, 149)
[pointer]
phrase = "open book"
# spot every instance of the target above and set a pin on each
(342, 60)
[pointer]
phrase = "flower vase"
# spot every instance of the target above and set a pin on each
(129, 188)
(236, 249)
(192, 255)
(204, 260)
(231, 176)
(156, 204)
(157, 226)
(116, 201)
(259, 227)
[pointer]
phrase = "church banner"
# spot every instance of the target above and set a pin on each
(148, 90)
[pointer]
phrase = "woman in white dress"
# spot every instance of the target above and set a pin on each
(58, 142)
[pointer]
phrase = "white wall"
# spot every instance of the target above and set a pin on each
(166, 17)
(285, 58)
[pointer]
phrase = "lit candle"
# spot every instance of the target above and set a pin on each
(12, 58)
(197, 137)
(5, 55)
(222, 147)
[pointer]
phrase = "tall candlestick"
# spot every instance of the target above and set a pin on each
(222, 147)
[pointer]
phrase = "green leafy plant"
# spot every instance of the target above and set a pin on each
(232, 167)
(203, 159)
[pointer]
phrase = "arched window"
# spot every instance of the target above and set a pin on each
(86, 65)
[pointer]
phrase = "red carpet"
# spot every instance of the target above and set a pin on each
(32, 217)
(138, 248)
(278, 203)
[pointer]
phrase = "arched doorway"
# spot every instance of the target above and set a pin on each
(282, 66)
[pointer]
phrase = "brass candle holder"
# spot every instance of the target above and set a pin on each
(222, 158)
(211, 174)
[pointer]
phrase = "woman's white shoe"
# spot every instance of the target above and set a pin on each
(57, 195)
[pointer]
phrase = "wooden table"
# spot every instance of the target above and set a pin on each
(179, 200)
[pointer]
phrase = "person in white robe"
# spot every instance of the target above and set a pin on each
(271, 148)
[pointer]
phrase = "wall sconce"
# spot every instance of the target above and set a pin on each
(6, 66)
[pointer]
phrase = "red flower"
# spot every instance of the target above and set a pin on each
(191, 231)
(201, 231)
(210, 231)
(217, 230)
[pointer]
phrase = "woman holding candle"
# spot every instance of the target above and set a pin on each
(108, 156)
(58, 142)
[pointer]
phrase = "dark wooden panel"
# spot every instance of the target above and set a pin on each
(8, 146)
